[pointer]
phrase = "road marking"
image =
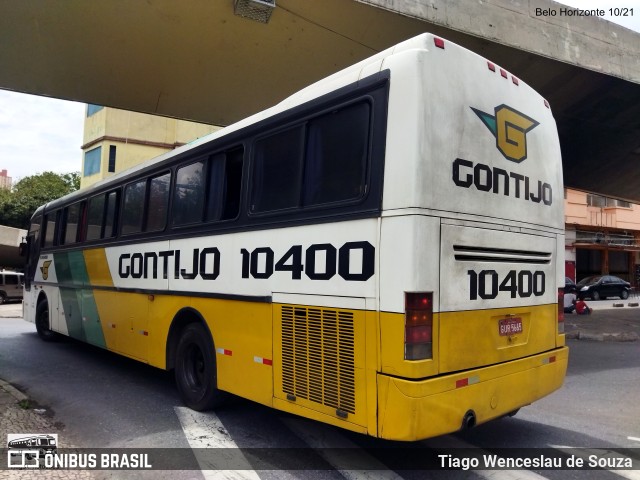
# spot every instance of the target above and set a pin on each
(205, 430)
(600, 453)
(334, 447)
(635, 439)
(453, 443)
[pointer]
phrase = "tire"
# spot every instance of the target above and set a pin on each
(195, 369)
(595, 295)
(624, 295)
(42, 322)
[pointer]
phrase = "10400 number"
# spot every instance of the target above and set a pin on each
(321, 262)
(486, 284)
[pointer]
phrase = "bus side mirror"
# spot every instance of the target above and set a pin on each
(22, 248)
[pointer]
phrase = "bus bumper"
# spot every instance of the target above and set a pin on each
(413, 410)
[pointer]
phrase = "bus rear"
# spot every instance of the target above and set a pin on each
(472, 238)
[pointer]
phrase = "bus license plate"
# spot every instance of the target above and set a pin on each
(510, 326)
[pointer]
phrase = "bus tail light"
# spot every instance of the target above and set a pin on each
(561, 310)
(418, 325)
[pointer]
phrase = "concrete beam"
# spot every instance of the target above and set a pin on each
(10, 239)
(541, 27)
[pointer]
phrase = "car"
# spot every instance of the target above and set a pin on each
(11, 284)
(569, 286)
(603, 286)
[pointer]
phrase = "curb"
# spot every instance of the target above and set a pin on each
(14, 392)
(604, 337)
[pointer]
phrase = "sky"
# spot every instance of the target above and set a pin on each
(39, 134)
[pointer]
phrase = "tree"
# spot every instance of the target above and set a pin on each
(17, 206)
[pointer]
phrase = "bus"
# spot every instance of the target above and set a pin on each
(32, 445)
(381, 251)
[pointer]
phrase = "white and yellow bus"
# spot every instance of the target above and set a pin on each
(381, 251)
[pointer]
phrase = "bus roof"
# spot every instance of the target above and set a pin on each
(351, 74)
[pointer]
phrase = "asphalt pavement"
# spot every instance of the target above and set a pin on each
(610, 320)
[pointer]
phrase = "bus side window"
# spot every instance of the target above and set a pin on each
(111, 216)
(133, 208)
(225, 184)
(50, 229)
(188, 194)
(336, 155)
(158, 203)
(72, 220)
(277, 170)
(94, 217)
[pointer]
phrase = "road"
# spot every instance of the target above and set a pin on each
(108, 401)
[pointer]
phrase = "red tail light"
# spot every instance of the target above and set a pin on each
(418, 325)
(561, 310)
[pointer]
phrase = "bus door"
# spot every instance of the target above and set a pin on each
(319, 355)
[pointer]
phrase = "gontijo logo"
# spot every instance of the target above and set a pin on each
(45, 269)
(510, 128)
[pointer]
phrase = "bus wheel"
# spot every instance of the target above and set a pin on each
(195, 369)
(42, 322)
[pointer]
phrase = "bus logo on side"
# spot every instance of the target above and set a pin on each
(45, 269)
(510, 129)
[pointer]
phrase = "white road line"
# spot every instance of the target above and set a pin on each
(634, 439)
(205, 430)
(455, 443)
(333, 447)
(584, 453)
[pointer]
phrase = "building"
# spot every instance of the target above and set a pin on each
(602, 236)
(5, 180)
(115, 140)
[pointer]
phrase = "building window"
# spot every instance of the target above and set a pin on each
(91, 109)
(112, 159)
(92, 161)
(600, 201)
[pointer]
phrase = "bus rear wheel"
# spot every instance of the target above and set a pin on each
(195, 369)
(42, 322)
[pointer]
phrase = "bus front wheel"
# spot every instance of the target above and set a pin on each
(195, 369)
(42, 322)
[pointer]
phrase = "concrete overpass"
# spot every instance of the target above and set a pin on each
(10, 239)
(196, 59)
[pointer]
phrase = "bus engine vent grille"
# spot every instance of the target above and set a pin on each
(318, 356)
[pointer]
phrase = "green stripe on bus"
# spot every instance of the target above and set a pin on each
(80, 309)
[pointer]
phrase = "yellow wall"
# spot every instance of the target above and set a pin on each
(577, 212)
(138, 137)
